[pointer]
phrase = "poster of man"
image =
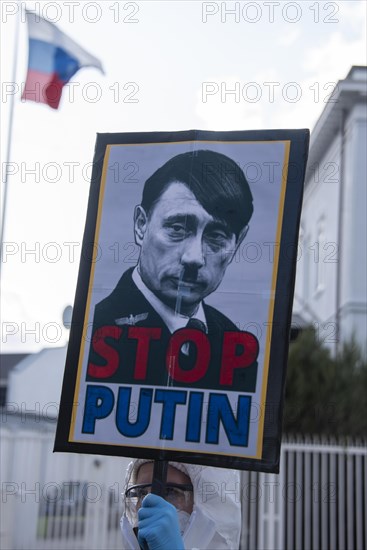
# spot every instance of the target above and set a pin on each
(183, 300)
(188, 227)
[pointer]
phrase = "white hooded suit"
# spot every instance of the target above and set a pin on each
(215, 523)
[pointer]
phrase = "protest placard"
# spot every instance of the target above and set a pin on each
(180, 331)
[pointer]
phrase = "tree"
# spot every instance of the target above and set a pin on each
(325, 395)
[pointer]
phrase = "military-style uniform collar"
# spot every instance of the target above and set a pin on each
(170, 318)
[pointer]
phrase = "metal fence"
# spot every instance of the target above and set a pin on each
(57, 501)
(318, 501)
(67, 501)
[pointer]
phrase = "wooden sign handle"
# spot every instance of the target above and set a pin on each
(159, 477)
(159, 482)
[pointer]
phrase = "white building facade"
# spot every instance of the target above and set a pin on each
(331, 283)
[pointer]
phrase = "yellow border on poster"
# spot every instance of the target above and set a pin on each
(266, 364)
(260, 433)
(91, 280)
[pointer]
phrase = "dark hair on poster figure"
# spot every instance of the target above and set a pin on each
(217, 182)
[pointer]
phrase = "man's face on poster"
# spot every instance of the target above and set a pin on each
(184, 250)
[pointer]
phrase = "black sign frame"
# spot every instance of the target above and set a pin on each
(271, 438)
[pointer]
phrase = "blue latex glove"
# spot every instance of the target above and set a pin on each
(158, 525)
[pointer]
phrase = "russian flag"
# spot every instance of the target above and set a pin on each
(54, 58)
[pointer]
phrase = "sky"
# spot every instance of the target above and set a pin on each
(169, 66)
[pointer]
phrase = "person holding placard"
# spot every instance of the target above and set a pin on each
(200, 508)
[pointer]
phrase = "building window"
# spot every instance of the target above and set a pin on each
(319, 253)
(2, 395)
(306, 267)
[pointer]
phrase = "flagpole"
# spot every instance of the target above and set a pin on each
(10, 135)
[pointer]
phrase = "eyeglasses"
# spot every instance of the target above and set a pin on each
(177, 494)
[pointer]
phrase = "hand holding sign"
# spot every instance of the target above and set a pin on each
(158, 524)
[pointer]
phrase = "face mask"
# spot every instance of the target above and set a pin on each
(183, 520)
